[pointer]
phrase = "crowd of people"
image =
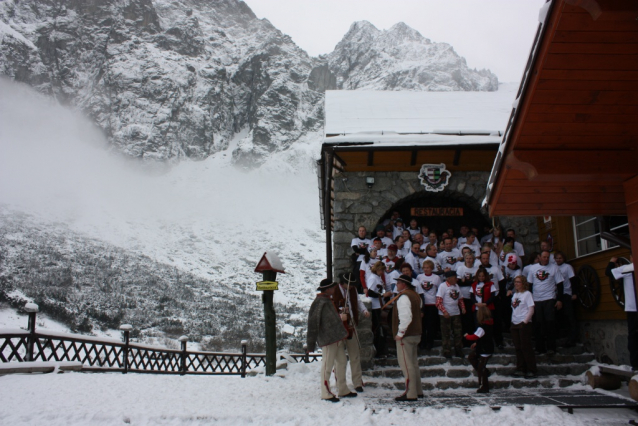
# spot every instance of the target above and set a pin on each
(465, 289)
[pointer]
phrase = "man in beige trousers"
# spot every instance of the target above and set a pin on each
(406, 327)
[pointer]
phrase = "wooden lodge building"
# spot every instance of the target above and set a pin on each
(561, 149)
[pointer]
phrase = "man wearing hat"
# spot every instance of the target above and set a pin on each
(406, 327)
(326, 329)
(347, 302)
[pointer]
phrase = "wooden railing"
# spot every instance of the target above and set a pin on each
(103, 354)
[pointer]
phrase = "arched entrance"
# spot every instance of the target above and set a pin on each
(439, 212)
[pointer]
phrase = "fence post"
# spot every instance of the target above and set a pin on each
(306, 355)
(182, 368)
(126, 328)
(32, 309)
(243, 358)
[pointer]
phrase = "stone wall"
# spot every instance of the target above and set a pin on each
(356, 205)
(606, 339)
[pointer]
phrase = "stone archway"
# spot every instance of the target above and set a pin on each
(357, 205)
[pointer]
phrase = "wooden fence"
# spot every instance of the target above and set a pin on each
(102, 354)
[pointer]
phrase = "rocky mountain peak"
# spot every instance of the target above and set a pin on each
(168, 79)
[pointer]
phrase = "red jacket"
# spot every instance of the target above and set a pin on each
(487, 294)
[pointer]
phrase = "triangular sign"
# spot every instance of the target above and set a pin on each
(270, 262)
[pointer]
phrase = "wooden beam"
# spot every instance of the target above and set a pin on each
(370, 158)
(457, 157)
(413, 158)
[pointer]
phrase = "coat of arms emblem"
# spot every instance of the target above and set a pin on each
(434, 177)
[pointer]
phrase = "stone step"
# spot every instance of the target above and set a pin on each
(495, 382)
(463, 371)
(508, 349)
(498, 359)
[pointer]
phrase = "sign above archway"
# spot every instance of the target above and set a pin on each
(436, 211)
(434, 177)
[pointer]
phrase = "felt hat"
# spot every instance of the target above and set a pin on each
(393, 247)
(325, 284)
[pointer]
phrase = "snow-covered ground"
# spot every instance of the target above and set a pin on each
(290, 398)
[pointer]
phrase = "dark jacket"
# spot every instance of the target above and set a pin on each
(324, 324)
(485, 343)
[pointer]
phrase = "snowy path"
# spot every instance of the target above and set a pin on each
(106, 399)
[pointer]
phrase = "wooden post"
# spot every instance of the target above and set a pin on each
(270, 321)
(328, 213)
(243, 358)
(182, 368)
(32, 309)
(306, 356)
(126, 328)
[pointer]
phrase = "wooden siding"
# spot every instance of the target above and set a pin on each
(562, 232)
(403, 161)
(575, 127)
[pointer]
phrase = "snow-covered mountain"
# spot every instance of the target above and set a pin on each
(402, 59)
(184, 79)
(86, 232)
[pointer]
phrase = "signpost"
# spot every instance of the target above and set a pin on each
(269, 265)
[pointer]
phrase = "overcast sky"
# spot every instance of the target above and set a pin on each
(494, 34)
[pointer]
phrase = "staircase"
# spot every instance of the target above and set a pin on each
(562, 369)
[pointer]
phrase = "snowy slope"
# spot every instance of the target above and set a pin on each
(206, 218)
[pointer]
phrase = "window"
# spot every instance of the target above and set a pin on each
(587, 233)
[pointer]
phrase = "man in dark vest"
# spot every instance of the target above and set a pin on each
(406, 327)
(326, 329)
(346, 299)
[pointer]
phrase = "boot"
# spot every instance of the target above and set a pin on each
(485, 387)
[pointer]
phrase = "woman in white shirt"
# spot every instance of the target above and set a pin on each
(521, 329)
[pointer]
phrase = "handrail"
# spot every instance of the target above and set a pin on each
(110, 355)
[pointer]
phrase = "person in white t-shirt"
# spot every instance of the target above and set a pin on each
(360, 246)
(450, 305)
(369, 259)
(414, 227)
(450, 256)
(378, 293)
(398, 228)
(521, 329)
(568, 299)
(413, 258)
(511, 271)
(431, 255)
(465, 274)
(429, 283)
(626, 273)
(547, 289)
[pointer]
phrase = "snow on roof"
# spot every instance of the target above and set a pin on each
(397, 140)
(354, 111)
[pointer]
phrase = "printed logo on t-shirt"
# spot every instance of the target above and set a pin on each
(363, 245)
(384, 246)
(454, 294)
(515, 303)
(427, 286)
(479, 292)
(491, 277)
(451, 260)
(389, 266)
(542, 274)
(469, 276)
(502, 256)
